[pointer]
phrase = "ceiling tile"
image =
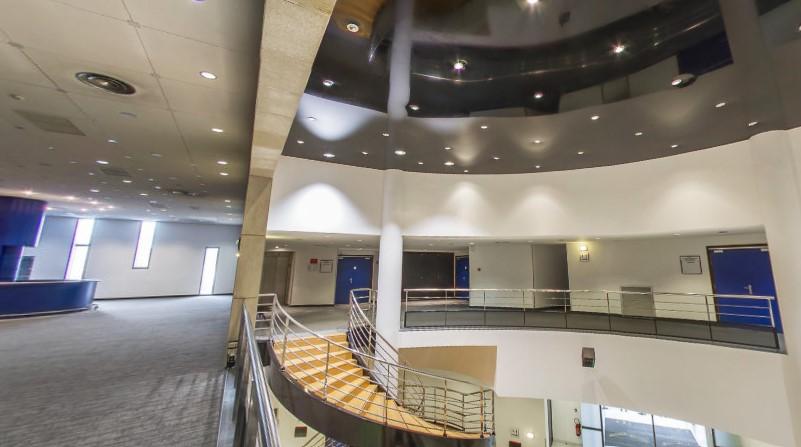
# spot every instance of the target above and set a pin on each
(17, 67)
(110, 8)
(185, 97)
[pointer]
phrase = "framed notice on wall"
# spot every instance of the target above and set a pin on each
(326, 265)
(690, 265)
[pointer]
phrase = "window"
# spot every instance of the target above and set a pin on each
(144, 246)
(209, 271)
(80, 249)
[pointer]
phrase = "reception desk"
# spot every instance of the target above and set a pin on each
(25, 298)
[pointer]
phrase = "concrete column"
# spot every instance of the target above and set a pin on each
(247, 282)
(390, 262)
(777, 165)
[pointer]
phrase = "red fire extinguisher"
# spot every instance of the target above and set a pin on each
(578, 426)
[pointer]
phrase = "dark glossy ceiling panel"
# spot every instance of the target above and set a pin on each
(429, 74)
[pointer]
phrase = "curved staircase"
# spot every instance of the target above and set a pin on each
(353, 386)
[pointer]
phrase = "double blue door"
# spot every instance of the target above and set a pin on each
(462, 267)
(353, 272)
(744, 271)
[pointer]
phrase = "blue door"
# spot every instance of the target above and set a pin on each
(463, 275)
(353, 272)
(744, 271)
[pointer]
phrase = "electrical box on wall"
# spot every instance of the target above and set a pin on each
(588, 357)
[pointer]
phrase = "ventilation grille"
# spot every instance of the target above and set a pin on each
(50, 123)
(115, 172)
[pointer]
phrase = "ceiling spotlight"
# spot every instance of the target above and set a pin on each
(222, 162)
(112, 141)
(496, 158)
(143, 194)
(538, 95)
(720, 104)
(70, 198)
(619, 48)
(328, 82)
(449, 163)
(420, 162)
(674, 146)
(94, 190)
(447, 148)
(311, 118)
(329, 155)
(155, 154)
(352, 27)
(460, 65)
(595, 117)
(484, 127)
(29, 192)
(753, 123)
(683, 80)
(208, 75)
(384, 134)
(400, 152)
(637, 134)
(224, 174)
(227, 200)
(538, 166)
(537, 141)
(217, 130)
(414, 107)
(532, 2)
(466, 171)
(364, 152)
(580, 152)
(102, 162)
(127, 181)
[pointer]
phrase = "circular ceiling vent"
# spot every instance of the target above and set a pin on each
(105, 82)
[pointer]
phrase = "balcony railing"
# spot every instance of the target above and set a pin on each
(739, 320)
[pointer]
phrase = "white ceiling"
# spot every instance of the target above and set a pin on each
(159, 47)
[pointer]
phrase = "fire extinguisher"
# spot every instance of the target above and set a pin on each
(578, 426)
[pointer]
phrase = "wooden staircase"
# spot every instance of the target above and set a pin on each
(326, 369)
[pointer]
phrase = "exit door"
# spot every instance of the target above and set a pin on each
(353, 272)
(744, 271)
(463, 275)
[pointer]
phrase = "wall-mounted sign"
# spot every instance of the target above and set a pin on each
(326, 265)
(584, 256)
(690, 265)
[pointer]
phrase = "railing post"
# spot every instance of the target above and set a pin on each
(484, 295)
(708, 316)
(283, 348)
(463, 426)
(327, 362)
(609, 311)
(772, 318)
(481, 412)
(445, 409)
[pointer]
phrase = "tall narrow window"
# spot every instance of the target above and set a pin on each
(80, 249)
(209, 271)
(144, 246)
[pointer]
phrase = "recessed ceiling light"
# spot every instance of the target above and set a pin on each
(538, 95)
(674, 146)
(400, 152)
(127, 181)
(447, 148)
(484, 126)
(352, 27)
(637, 134)
(385, 134)
(217, 130)
(496, 158)
(449, 163)
(70, 198)
(460, 65)
(675, 82)
(28, 192)
(223, 174)
(619, 48)
(301, 142)
(328, 82)
(83, 210)
(102, 162)
(222, 162)
(365, 152)
(414, 107)
(94, 190)
(311, 118)
(49, 208)
(420, 162)
(532, 2)
(329, 155)
(112, 141)
(580, 152)
(155, 154)
(466, 171)
(537, 141)
(720, 104)
(753, 123)
(595, 117)
(538, 166)
(208, 75)
(143, 194)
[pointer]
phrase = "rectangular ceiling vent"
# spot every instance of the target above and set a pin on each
(115, 172)
(50, 123)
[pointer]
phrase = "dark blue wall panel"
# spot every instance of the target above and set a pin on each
(38, 297)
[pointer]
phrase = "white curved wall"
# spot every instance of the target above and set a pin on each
(735, 390)
(700, 191)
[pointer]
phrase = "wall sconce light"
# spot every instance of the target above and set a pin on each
(583, 247)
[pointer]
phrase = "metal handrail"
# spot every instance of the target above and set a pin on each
(319, 364)
(254, 416)
(713, 295)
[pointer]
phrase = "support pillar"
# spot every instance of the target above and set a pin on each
(247, 282)
(390, 262)
(777, 167)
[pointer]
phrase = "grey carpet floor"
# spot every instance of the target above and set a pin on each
(133, 373)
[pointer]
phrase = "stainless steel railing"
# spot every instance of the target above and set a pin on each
(254, 419)
(403, 396)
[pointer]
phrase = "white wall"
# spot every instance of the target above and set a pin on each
(52, 252)
(527, 415)
(175, 264)
(563, 416)
(736, 390)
